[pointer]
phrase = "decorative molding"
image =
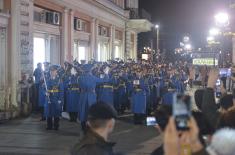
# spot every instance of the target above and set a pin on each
(4, 19)
(82, 36)
(46, 28)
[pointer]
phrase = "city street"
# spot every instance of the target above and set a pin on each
(28, 137)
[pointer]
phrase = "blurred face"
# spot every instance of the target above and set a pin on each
(39, 65)
(53, 73)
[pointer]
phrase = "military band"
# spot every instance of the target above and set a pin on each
(136, 87)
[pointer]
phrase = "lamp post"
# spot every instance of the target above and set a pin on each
(214, 31)
(222, 21)
(157, 28)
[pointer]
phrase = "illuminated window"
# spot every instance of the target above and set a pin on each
(81, 53)
(103, 54)
(99, 53)
(117, 52)
(39, 51)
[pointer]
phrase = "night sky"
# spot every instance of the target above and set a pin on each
(180, 17)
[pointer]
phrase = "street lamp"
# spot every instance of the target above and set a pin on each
(157, 28)
(188, 47)
(222, 19)
(210, 39)
(214, 31)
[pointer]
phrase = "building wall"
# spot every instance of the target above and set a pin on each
(21, 29)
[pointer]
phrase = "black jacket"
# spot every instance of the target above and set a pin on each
(93, 144)
(209, 108)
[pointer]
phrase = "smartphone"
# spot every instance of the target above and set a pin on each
(182, 110)
(151, 121)
(218, 88)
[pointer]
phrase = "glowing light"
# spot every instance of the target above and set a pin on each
(214, 31)
(188, 47)
(210, 38)
(222, 19)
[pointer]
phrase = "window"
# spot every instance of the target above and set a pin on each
(103, 31)
(80, 25)
(81, 53)
(118, 35)
(103, 54)
(80, 50)
(39, 51)
(117, 52)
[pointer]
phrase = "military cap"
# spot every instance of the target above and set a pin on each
(101, 110)
(87, 67)
(54, 67)
(46, 63)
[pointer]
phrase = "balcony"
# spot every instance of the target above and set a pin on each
(139, 20)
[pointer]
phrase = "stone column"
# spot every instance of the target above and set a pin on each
(233, 54)
(135, 46)
(94, 39)
(123, 44)
(71, 34)
(15, 52)
(128, 44)
(65, 27)
(112, 42)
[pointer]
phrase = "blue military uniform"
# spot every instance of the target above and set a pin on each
(42, 90)
(87, 83)
(138, 100)
(72, 97)
(54, 101)
(106, 92)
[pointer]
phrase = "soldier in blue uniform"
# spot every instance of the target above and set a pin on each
(54, 100)
(138, 98)
(72, 95)
(87, 83)
(42, 90)
(106, 88)
(66, 78)
(122, 92)
(37, 75)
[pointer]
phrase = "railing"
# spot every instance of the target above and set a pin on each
(139, 14)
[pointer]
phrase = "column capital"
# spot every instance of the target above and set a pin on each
(66, 10)
(71, 11)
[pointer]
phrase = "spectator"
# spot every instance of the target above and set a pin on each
(101, 121)
(162, 114)
(174, 140)
(209, 107)
(226, 102)
(223, 142)
(227, 119)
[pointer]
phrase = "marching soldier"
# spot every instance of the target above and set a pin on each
(42, 90)
(106, 89)
(72, 96)
(138, 98)
(87, 83)
(54, 100)
(37, 75)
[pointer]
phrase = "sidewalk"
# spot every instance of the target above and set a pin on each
(29, 137)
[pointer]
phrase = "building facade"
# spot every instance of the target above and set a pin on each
(33, 31)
